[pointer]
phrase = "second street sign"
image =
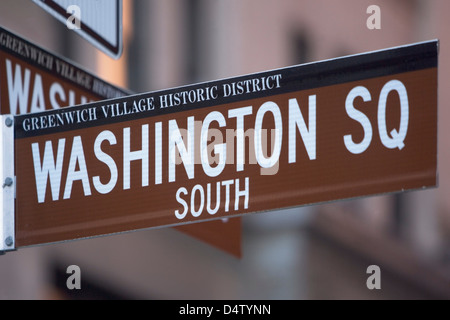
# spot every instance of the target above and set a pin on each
(99, 21)
(343, 128)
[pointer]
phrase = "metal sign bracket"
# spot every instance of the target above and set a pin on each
(7, 181)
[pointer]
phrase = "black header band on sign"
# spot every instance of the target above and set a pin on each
(296, 78)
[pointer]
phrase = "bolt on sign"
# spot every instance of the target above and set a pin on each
(349, 127)
(33, 80)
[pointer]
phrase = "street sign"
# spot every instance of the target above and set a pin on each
(33, 79)
(349, 127)
(99, 21)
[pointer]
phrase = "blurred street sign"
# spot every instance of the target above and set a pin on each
(33, 79)
(349, 127)
(99, 21)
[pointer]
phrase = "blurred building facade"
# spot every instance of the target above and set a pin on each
(317, 252)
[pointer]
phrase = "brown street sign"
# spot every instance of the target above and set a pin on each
(349, 127)
(33, 79)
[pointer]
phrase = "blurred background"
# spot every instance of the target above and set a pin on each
(317, 252)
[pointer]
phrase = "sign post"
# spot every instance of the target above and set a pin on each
(7, 221)
(349, 127)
